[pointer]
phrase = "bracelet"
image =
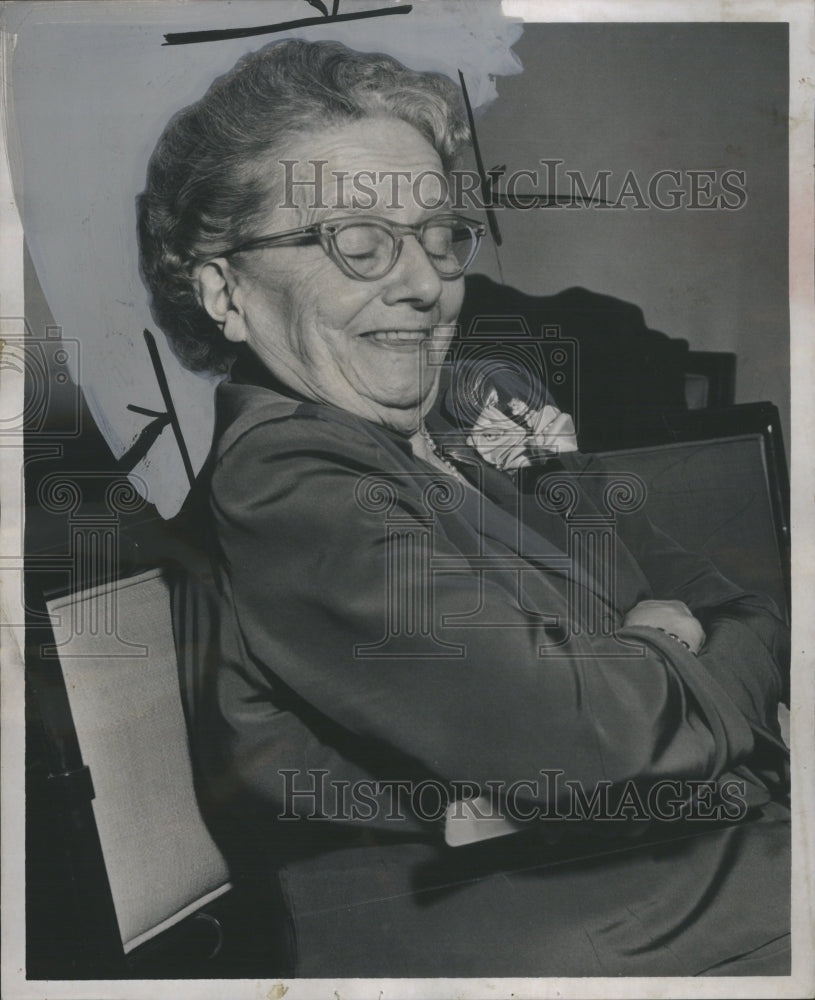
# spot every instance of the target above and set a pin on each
(673, 635)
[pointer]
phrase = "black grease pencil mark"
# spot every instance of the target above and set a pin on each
(171, 415)
(145, 411)
(146, 439)
(220, 34)
(486, 185)
(545, 199)
(318, 5)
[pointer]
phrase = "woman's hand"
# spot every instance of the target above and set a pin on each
(512, 444)
(673, 617)
(551, 431)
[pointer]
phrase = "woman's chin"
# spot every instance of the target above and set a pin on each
(401, 414)
(401, 407)
(403, 420)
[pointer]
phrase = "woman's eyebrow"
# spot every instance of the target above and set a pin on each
(297, 216)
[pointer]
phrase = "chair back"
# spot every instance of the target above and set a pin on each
(723, 492)
(115, 646)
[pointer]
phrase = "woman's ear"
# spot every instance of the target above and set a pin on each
(220, 296)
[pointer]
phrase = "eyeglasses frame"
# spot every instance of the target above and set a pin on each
(326, 231)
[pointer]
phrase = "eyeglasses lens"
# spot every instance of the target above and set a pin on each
(368, 250)
(449, 246)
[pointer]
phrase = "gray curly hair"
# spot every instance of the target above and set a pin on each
(205, 180)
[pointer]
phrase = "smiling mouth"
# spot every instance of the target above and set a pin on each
(398, 338)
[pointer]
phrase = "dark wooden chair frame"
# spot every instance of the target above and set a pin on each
(761, 419)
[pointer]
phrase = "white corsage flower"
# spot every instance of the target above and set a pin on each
(511, 442)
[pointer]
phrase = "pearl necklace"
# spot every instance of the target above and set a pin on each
(436, 458)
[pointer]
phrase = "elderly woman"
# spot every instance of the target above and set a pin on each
(390, 648)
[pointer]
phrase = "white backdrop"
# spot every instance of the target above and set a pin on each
(92, 87)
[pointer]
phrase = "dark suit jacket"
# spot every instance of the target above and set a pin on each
(285, 676)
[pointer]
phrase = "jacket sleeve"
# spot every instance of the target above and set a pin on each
(747, 642)
(306, 569)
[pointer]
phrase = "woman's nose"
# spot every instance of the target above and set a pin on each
(413, 278)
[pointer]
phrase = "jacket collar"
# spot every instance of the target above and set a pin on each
(252, 393)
